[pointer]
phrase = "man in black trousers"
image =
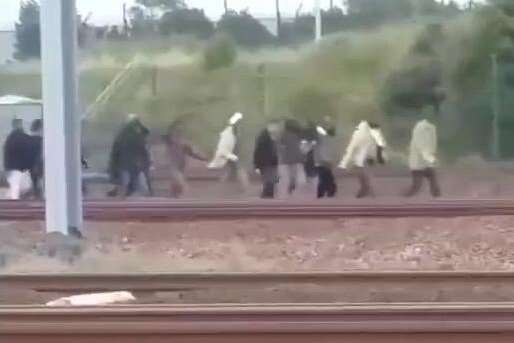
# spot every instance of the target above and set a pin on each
(265, 159)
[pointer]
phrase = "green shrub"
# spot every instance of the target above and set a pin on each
(220, 52)
(312, 104)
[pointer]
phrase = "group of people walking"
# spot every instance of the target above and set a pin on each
(309, 152)
(306, 153)
(23, 159)
(316, 149)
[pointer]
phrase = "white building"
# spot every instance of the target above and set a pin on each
(7, 46)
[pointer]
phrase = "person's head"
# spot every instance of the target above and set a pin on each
(132, 117)
(274, 128)
(373, 125)
(17, 124)
(37, 126)
(429, 113)
(328, 121)
(235, 119)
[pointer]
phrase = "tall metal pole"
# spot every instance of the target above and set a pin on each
(317, 13)
(61, 117)
(495, 146)
(279, 20)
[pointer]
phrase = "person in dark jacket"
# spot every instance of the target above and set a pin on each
(265, 159)
(17, 157)
(36, 172)
(291, 154)
(130, 158)
(17, 148)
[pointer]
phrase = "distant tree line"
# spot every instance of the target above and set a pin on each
(172, 17)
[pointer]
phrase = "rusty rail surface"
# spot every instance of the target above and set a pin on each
(151, 282)
(154, 210)
(258, 323)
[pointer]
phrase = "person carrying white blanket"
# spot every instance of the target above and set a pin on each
(366, 145)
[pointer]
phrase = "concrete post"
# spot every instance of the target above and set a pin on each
(62, 136)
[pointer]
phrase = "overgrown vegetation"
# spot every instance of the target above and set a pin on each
(387, 73)
(220, 52)
(28, 43)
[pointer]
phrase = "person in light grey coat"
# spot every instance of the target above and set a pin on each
(291, 155)
(423, 158)
(325, 159)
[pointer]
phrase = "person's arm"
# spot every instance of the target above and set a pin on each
(6, 154)
(257, 154)
(192, 152)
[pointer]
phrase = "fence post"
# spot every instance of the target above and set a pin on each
(495, 145)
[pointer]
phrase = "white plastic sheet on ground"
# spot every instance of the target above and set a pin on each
(94, 299)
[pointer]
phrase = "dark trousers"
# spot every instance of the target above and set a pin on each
(131, 181)
(417, 182)
(269, 177)
(36, 176)
(365, 183)
(327, 186)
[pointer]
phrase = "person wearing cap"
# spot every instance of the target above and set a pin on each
(366, 147)
(130, 158)
(18, 160)
(423, 157)
(265, 158)
(227, 156)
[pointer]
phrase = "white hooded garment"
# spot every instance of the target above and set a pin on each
(226, 144)
(363, 145)
(225, 150)
(423, 147)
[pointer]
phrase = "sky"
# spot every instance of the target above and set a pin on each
(110, 11)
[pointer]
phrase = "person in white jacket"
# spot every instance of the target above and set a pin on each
(422, 158)
(366, 146)
(226, 156)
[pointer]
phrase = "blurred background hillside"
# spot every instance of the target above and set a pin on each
(380, 60)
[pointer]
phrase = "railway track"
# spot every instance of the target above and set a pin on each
(371, 323)
(282, 287)
(154, 210)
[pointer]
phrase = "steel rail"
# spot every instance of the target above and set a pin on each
(165, 210)
(258, 319)
(151, 282)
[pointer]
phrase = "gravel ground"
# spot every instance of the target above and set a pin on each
(473, 243)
